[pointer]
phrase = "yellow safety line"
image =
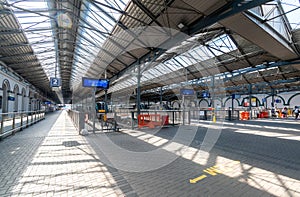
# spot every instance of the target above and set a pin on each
(195, 180)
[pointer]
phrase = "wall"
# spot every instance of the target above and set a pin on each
(14, 83)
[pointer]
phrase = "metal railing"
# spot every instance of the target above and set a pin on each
(220, 115)
(77, 119)
(12, 122)
(175, 117)
(129, 119)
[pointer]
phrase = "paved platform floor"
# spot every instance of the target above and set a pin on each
(249, 158)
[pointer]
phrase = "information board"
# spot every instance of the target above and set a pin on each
(11, 98)
(98, 83)
(236, 96)
(189, 92)
(205, 94)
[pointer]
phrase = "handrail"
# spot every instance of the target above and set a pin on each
(11, 122)
(77, 118)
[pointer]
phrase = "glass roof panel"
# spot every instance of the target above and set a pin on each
(292, 10)
(172, 65)
(98, 20)
(223, 43)
(37, 28)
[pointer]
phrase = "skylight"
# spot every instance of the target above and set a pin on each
(98, 19)
(292, 10)
(216, 47)
(36, 24)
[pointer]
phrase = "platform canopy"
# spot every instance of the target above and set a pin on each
(160, 44)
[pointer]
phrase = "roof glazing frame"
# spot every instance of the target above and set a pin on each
(90, 11)
(42, 26)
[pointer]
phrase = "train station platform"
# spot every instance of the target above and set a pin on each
(249, 158)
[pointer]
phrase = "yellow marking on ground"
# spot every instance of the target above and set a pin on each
(214, 170)
(210, 171)
(195, 180)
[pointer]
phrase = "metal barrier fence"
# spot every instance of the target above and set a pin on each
(16, 121)
(175, 116)
(77, 119)
(130, 119)
(220, 115)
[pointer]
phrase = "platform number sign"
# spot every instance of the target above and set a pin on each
(54, 82)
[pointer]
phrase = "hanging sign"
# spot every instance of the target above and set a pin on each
(98, 83)
(236, 96)
(11, 97)
(55, 82)
(187, 92)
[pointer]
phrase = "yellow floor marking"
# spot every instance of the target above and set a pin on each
(214, 170)
(211, 171)
(195, 180)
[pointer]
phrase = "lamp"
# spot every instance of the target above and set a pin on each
(180, 25)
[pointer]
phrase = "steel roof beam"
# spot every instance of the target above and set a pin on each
(33, 61)
(119, 23)
(30, 77)
(121, 12)
(23, 64)
(38, 10)
(263, 66)
(26, 10)
(146, 11)
(100, 48)
(226, 11)
(264, 85)
(24, 44)
(229, 9)
(239, 87)
(14, 57)
(15, 31)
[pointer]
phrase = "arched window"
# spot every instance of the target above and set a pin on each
(31, 101)
(16, 95)
(6, 89)
(23, 99)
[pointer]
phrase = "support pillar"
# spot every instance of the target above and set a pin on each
(250, 103)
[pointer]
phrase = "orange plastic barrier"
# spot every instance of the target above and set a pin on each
(165, 120)
(152, 120)
(245, 115)
(264, 114)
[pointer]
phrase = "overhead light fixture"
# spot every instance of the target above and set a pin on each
(64, 20)
(180, 25)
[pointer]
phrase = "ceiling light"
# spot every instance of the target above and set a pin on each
(180, 25)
